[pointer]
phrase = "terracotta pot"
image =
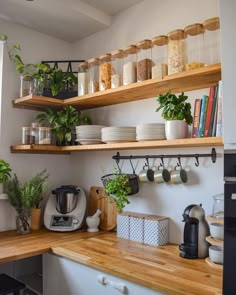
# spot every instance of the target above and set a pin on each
(36, 218)
(176, 129)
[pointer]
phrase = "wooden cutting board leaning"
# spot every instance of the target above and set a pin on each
(99, 200)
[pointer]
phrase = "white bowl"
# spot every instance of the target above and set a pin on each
(217, 231)
(216, 254)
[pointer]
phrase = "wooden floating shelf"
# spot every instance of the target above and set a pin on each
(178, 143)
(215, 242)
(189, 80)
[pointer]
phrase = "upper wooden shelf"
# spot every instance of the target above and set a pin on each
(178, 143)
(189, 80)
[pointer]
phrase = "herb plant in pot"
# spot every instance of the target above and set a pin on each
(177, 113)
(4, 174)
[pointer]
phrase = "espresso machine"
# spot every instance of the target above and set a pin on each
(65, 209)
(196, 230)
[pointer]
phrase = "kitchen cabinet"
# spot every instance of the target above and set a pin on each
(62, 276)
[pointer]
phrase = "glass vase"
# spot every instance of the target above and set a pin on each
(23, 221)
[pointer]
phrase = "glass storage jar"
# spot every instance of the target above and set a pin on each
(82, 78)
(45, 135)
(26, 86)
(212, 40)
(195, 46)
(28, 135)
(144, 60)
(218, 206)
(130, 65)
(177, 57)
(105, 72)
(159, 56)
(93, 64)
(117, 68)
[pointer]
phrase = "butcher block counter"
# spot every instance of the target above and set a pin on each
(157, 268)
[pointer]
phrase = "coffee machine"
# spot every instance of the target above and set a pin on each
(65, 209)
(196, 230)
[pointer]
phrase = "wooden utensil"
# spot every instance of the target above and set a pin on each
(99, 200)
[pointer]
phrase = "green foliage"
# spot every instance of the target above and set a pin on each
(30, 195)
(4, 171)
(119, 188)
(175, 108)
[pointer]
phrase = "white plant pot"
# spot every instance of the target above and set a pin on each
(176, 129)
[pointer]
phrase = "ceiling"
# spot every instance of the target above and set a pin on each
(69, 20)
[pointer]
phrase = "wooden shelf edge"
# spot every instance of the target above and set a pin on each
(214, 241)
(212, 264)
(188, 142)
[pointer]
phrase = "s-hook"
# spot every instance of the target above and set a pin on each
(117, 162)
(197, 160)
(179, 161)
(131, 164)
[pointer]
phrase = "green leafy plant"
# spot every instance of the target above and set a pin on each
(4, 171)
(175, 107)
(118, 188)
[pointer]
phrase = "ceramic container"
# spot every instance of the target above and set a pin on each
(216, 254)
(217, 231)
(176, 129)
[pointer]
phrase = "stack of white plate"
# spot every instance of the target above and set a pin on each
(88, 134)
(118, 134)
(150, 131)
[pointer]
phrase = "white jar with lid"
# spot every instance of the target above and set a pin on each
(83, 78)
(159, 56)
(93, 65)
(105, 72)
(130, 65)
(144, 60)
(45, 135)
(117, 68)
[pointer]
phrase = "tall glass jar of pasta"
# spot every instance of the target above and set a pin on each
(105, 72)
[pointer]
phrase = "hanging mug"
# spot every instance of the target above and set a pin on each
(179, 175)
(161, 175)
(147, 174)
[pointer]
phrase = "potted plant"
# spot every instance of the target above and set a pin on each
(62, 122)
(177, 113)
(26, 198)
(4, 174)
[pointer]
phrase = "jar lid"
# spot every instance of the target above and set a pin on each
(117, 53)
(160, 40)
(83, 64)
(212, 24)
(105, 57)
(144, 44)
(131, 49)
(176, 35)
(36, 124)
(93, 61)
(45, 128)
(194, 29)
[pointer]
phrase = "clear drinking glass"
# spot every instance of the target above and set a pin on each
(218, 206)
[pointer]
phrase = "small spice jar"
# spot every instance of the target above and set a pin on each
(212, 40)
(159, 56)
(195, 46)
(144, 60)
(130, 65)
(83, 78)
(105, 72)
(117, 68)
(26, 86)
(177, 57)
(93, 65)
(45, 135)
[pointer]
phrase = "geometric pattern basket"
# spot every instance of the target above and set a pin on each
(123, 226)
(136, 229)
(156, 232)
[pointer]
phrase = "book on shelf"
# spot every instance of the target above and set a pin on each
(219, 122)
(196, 117)
(209, 111)
(202, 119)
(214, 111)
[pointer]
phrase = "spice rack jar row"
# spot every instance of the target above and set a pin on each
(195, 46)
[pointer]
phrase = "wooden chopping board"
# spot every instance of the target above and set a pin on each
(99, 200)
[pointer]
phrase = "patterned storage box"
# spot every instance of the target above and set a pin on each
(156, 230)
(136, 229)
(123, 225)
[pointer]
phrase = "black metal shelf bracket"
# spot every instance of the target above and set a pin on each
(211, 155)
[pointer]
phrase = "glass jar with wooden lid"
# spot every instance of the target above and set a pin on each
(159, 56)
(105, 72)
(83, 78)
(117, 68)
(212, 40)
(176, 51)
(195, 46)
(130, 65)
(144, 60)
(93, 67)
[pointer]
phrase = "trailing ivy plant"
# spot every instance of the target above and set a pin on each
(175, 107)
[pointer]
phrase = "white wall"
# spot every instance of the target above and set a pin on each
(35, 47)
(146, 20)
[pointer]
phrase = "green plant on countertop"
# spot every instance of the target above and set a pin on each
(4, 171)
(62, 122)
(118, 188)
(175, 107)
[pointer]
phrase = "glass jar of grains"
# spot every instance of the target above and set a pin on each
(28, 136)
(93, 64)
(195, 46)
(83, 78)
(159, 56)
(144, 60)
(130, 65)
(212, 40)
(177, 57)
(117, 68)
(105, 72)
(26, 85)
(45, 135)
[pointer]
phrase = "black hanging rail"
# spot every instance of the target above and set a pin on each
(212, 155)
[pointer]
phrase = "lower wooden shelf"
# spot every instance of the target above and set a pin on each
(178, 143)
